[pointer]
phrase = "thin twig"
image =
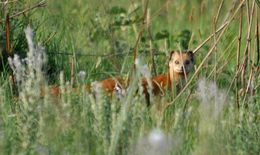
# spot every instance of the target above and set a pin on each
(209, 37)
(49, 38)
(7, 2)
(37, 5)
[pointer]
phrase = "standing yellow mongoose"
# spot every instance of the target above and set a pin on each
(180, 64)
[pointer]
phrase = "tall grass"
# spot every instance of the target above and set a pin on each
(218, 113)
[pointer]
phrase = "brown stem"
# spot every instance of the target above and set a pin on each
(7, 35)
(135, 51)
(257, 40)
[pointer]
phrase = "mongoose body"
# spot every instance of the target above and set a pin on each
(180, 64)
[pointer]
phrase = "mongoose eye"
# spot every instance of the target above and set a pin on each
(177, 62)
(187, 62)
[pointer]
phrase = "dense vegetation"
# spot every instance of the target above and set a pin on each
(72, 43)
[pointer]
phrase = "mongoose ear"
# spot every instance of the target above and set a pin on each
(191, 55)
(172, 53)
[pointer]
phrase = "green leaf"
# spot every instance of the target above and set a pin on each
(258, 3)
(162, 35)
(184, 38)
(117, 10)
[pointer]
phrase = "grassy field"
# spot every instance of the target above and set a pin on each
(72, 43)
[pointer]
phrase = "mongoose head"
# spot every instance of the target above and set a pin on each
(181, 62)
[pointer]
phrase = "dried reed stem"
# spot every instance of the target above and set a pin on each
(238, 54)
(248, 85)
(257, 40)
(207, 56)
(209, 37)
(215, 22)
(246, 61)
(148, 20)
(222, 56)
(72, 71)
(140, 33)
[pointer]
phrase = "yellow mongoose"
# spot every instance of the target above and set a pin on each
(180, 64)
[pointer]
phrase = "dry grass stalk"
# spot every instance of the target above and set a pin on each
(148, 18)
(246, 60)
(207, 56)
(141, 32)
(221, 57)
(257, 40)
(72, 71)
(249, 90)
(238, 54)
(215, 22)
(209, 37)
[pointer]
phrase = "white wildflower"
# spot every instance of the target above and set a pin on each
(82, 75)
(137, 61)
(156, 138)
(145, 71)
(96, 86)
(212, 103)
(29, 37)
(97, 90)
(28, 71)
(211, 97)
(155, 143)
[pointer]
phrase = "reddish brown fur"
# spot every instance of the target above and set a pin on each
(180, 64)
(109, 84)
(175, 73)
(158, 82)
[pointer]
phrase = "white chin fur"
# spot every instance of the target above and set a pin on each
(178, 71)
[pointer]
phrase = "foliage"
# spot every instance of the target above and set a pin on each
(78, 42)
